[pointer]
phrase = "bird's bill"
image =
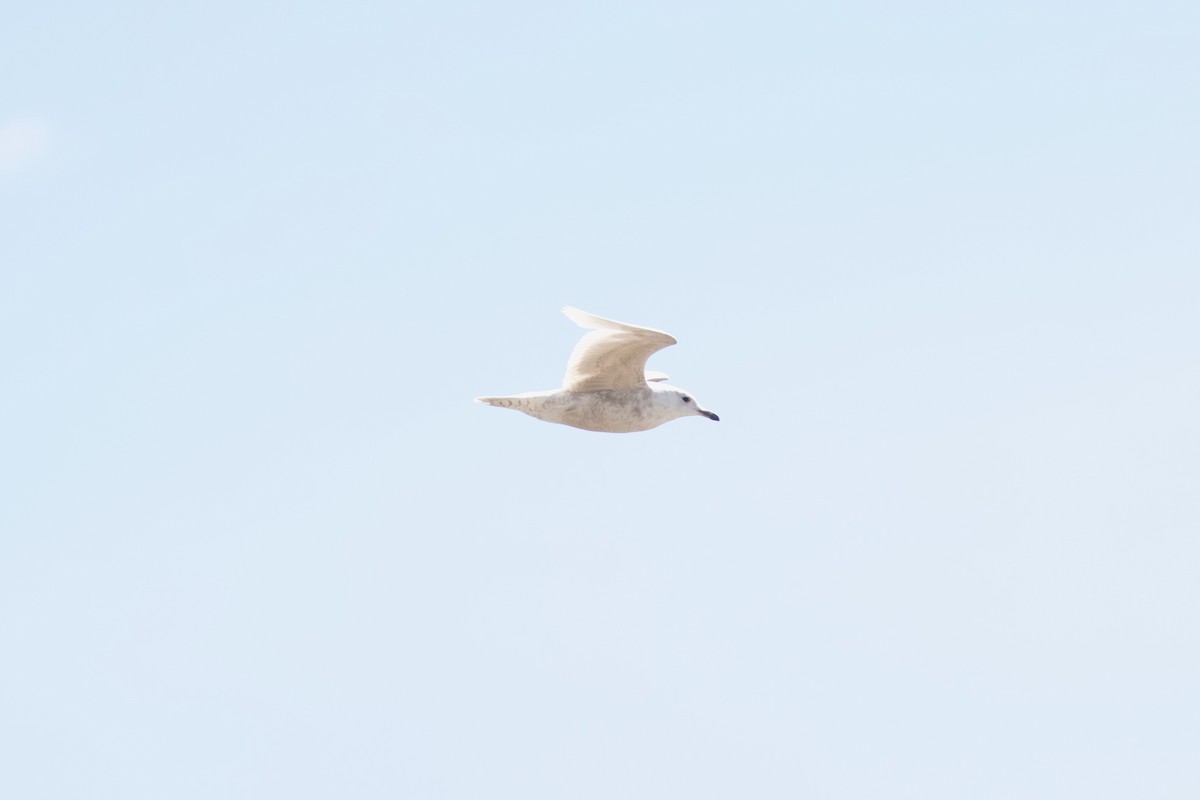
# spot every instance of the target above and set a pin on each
(709, 414)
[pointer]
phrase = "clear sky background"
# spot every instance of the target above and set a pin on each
(935, 264)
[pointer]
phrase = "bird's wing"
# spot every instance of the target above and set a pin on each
(612, 356)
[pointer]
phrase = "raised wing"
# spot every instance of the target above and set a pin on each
(613, 356)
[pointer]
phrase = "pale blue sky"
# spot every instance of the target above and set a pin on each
(936, 265)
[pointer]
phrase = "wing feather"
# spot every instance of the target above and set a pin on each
(613, 355)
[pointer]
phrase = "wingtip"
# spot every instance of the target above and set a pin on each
(586, 319)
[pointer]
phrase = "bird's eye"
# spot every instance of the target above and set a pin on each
(687, 399)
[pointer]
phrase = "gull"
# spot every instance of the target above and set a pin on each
(607, 387)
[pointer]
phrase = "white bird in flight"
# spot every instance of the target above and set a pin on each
(607, 386)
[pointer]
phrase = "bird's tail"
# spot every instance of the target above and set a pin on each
(502, 402)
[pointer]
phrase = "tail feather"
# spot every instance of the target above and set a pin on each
(502, 402)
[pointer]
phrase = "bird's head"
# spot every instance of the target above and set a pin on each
(683, 403)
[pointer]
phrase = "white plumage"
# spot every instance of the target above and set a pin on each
(607, 386)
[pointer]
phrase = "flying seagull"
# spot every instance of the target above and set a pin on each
(607, 387)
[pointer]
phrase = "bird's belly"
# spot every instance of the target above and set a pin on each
(610, 412)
